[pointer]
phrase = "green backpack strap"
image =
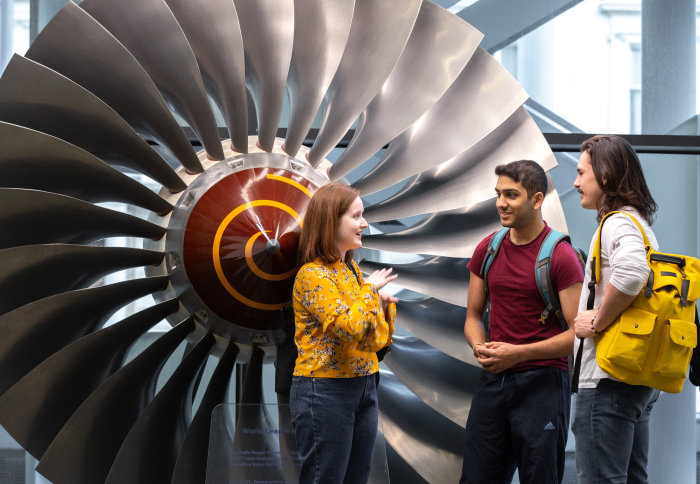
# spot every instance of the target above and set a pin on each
(544, 282)
(491, 252)
(549, 294)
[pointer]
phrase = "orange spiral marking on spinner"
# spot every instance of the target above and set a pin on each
(296, 185)
(217, 247)
(254, 267)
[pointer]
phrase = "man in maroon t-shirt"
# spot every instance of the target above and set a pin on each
(520, 413)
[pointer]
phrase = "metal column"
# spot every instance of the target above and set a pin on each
(668, 100)
(6, 32)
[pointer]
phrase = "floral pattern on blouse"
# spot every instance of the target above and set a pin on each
(339, 322)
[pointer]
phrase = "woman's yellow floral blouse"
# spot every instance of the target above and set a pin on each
(339, 323)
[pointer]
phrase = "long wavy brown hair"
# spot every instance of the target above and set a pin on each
(318, 239)
(619, 175)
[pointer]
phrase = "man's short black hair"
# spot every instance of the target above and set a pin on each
(526, 172)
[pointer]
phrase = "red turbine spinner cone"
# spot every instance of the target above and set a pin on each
(240, 244)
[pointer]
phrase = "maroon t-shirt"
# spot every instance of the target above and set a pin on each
(516, 304)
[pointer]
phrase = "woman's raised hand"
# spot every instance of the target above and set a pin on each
(380, 278)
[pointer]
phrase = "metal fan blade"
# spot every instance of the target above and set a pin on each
(320, 33)
(84, 449)
(37, 330)
(443, 382)
(77, 46)
(37, 406)
(32, 159)
(430, 443)
(453, 234)
(482, 97)
(456, 233)
(191, 465)
(150, 450)
(469, 177)
(401, 471)
(268, 36)
(36, 97)
(378, 35)
(218, 49)
(149, 30)
(443, 278)
(417, 81)
(23, 277)
(552, 211)
(40, 217)
(444, 330)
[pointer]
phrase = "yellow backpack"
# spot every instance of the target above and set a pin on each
(652, 341)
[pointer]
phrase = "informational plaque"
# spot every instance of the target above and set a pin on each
(254, 444)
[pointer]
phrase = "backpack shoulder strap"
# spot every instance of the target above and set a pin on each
(491, 252)
(595, 260)
(543, 278)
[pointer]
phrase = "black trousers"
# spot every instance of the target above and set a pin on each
(518, 419)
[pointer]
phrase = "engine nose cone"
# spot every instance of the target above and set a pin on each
(237, 229)
(273, 246)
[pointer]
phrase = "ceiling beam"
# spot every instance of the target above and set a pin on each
(504, 21)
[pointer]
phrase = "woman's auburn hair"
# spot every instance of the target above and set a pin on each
(318, 239)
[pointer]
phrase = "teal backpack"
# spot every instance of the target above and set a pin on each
(542, 267)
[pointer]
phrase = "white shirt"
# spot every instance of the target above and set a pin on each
(623, 263)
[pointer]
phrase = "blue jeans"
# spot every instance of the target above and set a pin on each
(518, 419)
(611, 426)
(335, 425)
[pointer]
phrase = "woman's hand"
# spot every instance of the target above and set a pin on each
(380, 278)
(387, 299)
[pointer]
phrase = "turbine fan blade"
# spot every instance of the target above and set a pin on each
(84, 449)
(320, 33)
(23, 278)
(191, 465)
(148, 29)
(219, 52)
(430, 443)
(77, 46)
(453, 234)
(40, 217)
(150, 450)
(37, 406)
(445, 331)
(378, 35)
(268, 35)
(444, 383)
(468, 178)
(447, 128)
(71, 171)
(39, 329)
(417, 81)
(552, 210)
(36, 97)
(444, 278)
(401, 471)
(456, 233)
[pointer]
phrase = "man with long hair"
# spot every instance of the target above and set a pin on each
(611, 418)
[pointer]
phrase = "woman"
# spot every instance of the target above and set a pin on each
(341, 321)
(611, 418)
